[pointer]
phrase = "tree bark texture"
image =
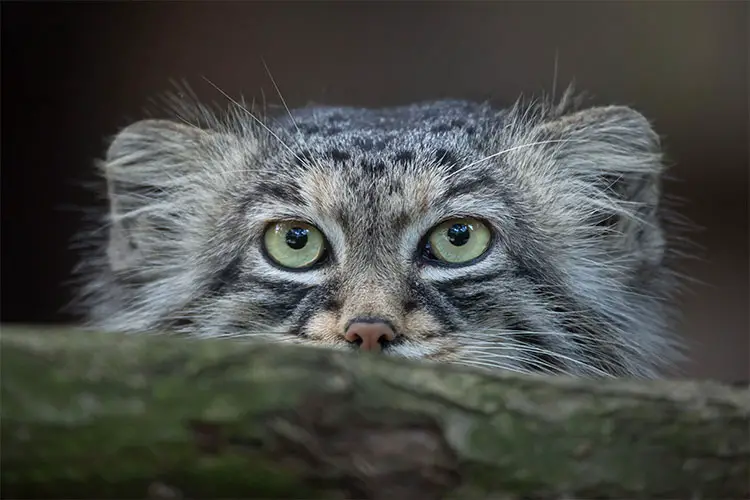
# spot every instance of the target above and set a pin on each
(95, 415)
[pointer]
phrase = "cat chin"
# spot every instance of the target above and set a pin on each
(408, 350)
(418, 351)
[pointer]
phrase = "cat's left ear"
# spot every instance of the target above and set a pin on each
(611, 158)
(607, 140)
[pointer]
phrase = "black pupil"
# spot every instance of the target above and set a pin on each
(296, 238)
(458, 234)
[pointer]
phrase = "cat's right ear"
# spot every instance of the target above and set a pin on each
(147, 168)
(153, 151)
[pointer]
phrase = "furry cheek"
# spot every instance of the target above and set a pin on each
(419, 325)
(323, 329)
(423, 338)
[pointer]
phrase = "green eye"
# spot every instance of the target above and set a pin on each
(295, 245)
(459, 240)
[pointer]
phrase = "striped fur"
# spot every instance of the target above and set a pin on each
(577, 279)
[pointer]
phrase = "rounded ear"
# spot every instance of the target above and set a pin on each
(611, 160)
(146, 165)
(619, 133)
(152, 148)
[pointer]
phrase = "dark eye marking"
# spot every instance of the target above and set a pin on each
(315, 299)
(227, 276)
(434, 302)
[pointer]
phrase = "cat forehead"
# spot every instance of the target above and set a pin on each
(419, 116)
(361, 167)
(416, 128)
(398, 162)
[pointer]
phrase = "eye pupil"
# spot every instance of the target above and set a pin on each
(458, 241)
(458, 234)
(296, 238)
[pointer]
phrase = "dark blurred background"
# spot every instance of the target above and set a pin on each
(73, 73)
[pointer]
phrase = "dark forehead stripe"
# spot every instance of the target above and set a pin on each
(283, 190)
(371, 144)
(445, 157)
(483, 182)
(304, 158)
(337, 155)
(403, 156)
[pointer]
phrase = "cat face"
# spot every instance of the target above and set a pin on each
(526, 239)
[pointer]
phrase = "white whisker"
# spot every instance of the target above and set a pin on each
(255, 118)
(504, 151)
(524, 350)
(554, 75)
(283, 101)
(501, 333)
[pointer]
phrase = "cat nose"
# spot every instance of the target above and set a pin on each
(370, 335)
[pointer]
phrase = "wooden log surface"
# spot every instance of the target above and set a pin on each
(96, 415)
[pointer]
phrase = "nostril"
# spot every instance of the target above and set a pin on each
(356, 339)
(369, 336)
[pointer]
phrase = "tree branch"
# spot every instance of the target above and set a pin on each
(88, 415)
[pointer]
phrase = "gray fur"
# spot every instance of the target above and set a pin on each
(577, 279)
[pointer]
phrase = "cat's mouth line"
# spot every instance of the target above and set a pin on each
(402, 346)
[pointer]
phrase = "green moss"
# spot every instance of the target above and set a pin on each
(90, 416)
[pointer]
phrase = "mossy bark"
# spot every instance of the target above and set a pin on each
(89, 415)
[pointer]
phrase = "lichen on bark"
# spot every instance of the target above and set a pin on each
(96, 415)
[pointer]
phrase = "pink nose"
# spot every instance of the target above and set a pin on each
(370, 335)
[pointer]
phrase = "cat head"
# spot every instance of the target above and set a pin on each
(525, 239)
